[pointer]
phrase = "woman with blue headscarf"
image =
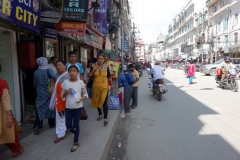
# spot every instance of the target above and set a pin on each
(41, 77)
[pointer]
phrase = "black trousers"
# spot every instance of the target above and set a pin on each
(105, 108)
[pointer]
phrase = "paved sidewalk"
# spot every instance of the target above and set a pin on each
(95, 141)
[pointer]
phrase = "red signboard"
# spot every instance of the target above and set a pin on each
(71, 27)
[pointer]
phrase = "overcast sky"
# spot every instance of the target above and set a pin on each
(153, 16)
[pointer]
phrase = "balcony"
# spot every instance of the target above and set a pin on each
(210, 2)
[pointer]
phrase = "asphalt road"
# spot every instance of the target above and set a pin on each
(192, 122)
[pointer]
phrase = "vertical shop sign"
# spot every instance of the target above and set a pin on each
(100, 16)
(75, 10)
(126, 46)
(25, 13)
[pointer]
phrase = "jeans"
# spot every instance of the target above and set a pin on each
(190, 79)
(135, 96)
(38, 123)
(105, 108)
(127, 99)
(89, 91)
(72, 121)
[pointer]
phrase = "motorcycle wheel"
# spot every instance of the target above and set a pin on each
(159, 96)
(234, 85)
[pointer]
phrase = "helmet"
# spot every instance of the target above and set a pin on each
(227, 59)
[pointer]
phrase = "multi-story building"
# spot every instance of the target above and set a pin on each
(139, 48)
(183, 30)
(224, 27)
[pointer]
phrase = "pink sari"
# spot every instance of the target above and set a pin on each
(191, 69)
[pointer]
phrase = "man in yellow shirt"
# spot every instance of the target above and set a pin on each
(135, 74)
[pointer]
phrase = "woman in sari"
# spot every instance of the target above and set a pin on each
(41, 77)
(99, 99)
(8, 126)
(58, 103)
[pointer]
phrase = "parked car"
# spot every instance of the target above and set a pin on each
(210, 69)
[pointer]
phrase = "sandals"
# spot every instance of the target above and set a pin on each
(105, 122)
(58, 139)
(17, 154)
(99, 118)
(74, 147)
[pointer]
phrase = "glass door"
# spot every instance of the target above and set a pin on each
(6, 67)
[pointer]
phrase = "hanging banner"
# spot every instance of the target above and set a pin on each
(100, 13)
(25, 13)
(71, 27)
(76, 10)
(113, 68)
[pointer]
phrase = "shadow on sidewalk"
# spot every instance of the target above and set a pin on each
(178, 127)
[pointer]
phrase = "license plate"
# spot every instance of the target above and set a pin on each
(160, 85)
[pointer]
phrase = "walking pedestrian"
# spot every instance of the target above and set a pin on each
(57, 102)
(122, 82)
(87, 78)
(52, 64)
(41, 77)
(72, 90)
(72, 56)
(191, 70)
(9, 128)
(99, 99)
(135, 74)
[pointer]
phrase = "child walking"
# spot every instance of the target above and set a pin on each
(72, 90)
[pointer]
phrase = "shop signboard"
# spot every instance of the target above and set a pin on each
(126, 46)
(48, 32)
(71, 27)
(76, 10)
(25, 13)
(96, 41)
(100, 13)
(234, 48)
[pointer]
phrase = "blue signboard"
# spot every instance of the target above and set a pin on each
(126, 46)
(48, 32)
(25, 13)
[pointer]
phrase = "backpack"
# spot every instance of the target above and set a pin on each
(130, 79)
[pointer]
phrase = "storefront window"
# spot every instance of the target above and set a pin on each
(50, 49)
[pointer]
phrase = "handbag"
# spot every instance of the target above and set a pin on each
(84, 115)
(113, 103)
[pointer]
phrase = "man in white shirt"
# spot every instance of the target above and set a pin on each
(52, 64)
(157, 72)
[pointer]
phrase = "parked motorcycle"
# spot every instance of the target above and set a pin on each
(229, 81)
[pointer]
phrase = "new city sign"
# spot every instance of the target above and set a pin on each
(25, 13)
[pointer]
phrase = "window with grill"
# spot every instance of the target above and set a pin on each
(226, 40)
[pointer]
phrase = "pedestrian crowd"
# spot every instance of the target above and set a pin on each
(61, 89)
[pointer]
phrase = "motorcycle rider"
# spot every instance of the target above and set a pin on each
(157, 72)
(225, 65)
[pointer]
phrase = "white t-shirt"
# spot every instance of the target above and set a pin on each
(71, 99)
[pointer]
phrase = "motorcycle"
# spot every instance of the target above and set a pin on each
(158, 87)
(140, 72)
(230, 80)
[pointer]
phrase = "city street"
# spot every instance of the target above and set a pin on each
(192, 122)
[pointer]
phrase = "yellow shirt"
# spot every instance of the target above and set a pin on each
(136, 76)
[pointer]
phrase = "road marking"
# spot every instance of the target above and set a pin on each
(168, 84)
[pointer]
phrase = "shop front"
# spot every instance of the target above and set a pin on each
(14, 27)
(9, 68)
(234, 51)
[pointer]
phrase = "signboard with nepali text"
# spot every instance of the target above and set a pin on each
(71, 27)
(25, 13)
(76, 10)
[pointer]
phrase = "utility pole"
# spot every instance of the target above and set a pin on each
(122, 36)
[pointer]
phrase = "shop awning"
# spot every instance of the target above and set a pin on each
(50, 16)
